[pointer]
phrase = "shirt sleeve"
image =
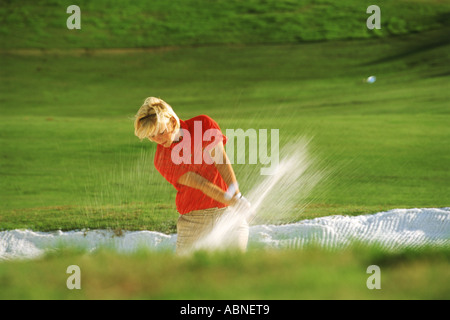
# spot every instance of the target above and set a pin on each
(211, 131)
(169, 170)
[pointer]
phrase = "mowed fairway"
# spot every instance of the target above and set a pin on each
(69, 160)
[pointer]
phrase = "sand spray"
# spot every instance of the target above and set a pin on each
(276, 198)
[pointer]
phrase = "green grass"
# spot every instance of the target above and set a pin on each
(141, 23)
(279, 275)
(69, 159)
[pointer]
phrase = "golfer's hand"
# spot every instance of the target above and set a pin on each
(232, 191)
(240, 202)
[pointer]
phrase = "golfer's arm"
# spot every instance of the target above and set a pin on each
(196, 181)
(224, 166)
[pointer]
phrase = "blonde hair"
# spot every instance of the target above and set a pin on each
(152, 116)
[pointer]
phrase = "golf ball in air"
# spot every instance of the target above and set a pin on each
(371, 79)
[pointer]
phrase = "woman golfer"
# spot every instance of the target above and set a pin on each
(190, 155)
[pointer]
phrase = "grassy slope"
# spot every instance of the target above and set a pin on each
(142, 23)
(69, 153)
(70, 160)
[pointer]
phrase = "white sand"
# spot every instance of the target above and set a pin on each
(395, 229)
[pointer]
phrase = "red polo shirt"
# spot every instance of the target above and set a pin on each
(172, 164)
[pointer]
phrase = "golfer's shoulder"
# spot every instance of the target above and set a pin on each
(206, 121)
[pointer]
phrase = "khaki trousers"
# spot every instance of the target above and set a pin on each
(209, 229)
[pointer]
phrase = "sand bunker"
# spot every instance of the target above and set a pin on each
(395, 229)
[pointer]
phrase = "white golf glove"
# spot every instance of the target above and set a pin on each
(242, 202)
(231, 190)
